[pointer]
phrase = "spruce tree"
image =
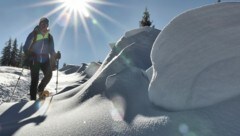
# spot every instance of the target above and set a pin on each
(145, 19)
(14, 54)
(20, 56)
(6, 53)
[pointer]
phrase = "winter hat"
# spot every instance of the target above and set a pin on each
(44, 19)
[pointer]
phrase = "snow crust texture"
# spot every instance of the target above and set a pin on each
(196, 59)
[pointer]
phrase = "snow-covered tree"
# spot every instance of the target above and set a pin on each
(6, 53)
(145, 19)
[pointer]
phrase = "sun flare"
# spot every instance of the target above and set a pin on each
(77, 5)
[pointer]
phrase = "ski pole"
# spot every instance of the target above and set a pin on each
(16, 85)
(57, 76)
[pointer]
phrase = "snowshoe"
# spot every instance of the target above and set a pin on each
(43, 95)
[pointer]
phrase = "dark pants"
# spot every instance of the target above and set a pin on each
(35, 69)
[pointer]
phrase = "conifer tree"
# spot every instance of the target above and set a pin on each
(6, 53)
(20, 56)
(14, 54)
(145, 19)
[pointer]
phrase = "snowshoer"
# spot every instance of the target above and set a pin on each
(39, 51)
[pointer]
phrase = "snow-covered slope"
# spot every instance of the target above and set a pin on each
(8, 80)
(196, 59)
(69, 69)
(69, 76)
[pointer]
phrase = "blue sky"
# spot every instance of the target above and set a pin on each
(19, 17)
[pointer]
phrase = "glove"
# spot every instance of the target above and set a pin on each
(58, 55)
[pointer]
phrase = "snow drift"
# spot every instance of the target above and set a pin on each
(132, 50)
(137, 44)
(196, 59)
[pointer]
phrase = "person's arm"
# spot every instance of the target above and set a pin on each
(51, 49)
(28, 43)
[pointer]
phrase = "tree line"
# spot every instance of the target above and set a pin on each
(11, 55)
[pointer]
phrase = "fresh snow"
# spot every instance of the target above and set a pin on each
(92, 68)
(122, 98)
(196, 59)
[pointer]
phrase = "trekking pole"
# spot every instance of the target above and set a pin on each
(57, 76)
(16, 85)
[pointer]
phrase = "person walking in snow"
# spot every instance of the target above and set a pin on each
(39, 50)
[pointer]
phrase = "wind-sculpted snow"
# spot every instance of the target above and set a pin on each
(141, 40)
(196, 59)
(131, 51)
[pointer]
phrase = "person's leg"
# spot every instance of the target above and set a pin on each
(47, 72)
(34, 80)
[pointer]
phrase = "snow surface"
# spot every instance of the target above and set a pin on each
(137, 45)
(115, 100)
(92, 68)
(149, 73)
(8, 81)
(196, 59)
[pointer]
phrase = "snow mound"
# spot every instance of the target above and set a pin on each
(139, 30)
(196, 61)
(92, 68)
(140, 42)
(136, 54)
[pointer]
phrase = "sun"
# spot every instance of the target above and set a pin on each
(79, 6)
